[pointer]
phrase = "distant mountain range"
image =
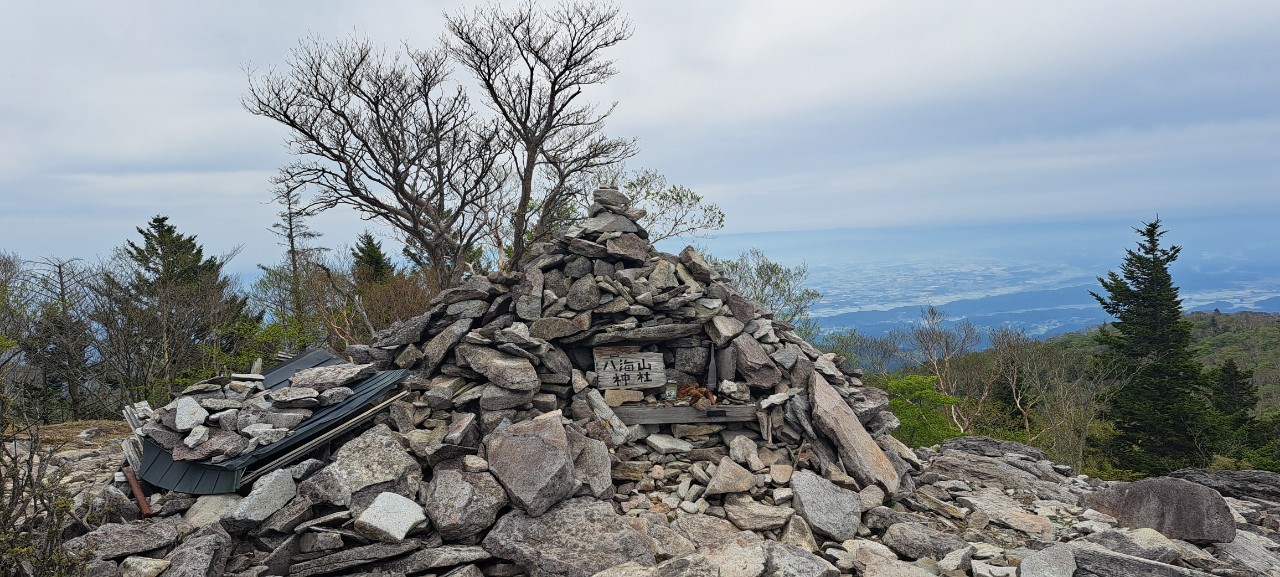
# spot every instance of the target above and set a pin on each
(1034, 276)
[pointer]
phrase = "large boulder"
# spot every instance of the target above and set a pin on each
(532, 461)
(1176, 508)
(917, 541)
(374, 457)
(576, 538)
(830, 510)
(270, 492)
(117, 540)
(462, 504)
(1237, 484)
(1093, 560)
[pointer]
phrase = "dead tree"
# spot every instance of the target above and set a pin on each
(389, 135)
(532, 64)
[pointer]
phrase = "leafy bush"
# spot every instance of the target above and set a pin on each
(921, 409)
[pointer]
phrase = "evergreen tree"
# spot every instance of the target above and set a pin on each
(1233, 393)
(1159, 414)
(169, 315)
(372, 266)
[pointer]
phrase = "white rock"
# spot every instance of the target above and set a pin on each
(199, 434)
(666, 444)
(142, 567)
(188, 414)
(209, 508)
(390, 518)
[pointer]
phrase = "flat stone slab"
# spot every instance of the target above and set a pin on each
(577, 538)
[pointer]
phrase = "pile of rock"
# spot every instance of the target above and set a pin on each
(223, 417)
(508, 456)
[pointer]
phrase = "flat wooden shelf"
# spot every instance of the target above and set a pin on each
(642, 415)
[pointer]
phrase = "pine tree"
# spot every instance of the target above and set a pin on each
(1159, 413)
(1233, 392)
(170, 315)
(372, 266)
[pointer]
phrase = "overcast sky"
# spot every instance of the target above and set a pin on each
(790, 116)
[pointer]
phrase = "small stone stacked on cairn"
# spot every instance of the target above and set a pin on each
(508, 457)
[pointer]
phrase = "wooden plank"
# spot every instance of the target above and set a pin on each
(640, 415)
(628, 368)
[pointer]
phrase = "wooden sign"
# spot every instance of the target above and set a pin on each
(628, 368)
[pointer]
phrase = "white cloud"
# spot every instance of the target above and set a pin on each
(789, 115)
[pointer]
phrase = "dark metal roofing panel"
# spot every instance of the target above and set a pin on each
(159, 469)
(203, 478)
(323, 418)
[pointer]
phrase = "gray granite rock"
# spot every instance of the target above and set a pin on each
(704, 530)
(755, 365)
(270, 492)
(666, 444)
(389, 518)
(220, 442)
(188, 414)
(723, 329)
(321, 378)
(209, 508)
(1056, 561)
(576, 538)
(203, 554)
(434, 351)
(860, 454)
(531, 459)
(1093, 560)
(462, 504)
(353, 557)
(373, 457)
(435, 558)
(1176, 508)
(790, 561)
(750, 515)
(829, 510)
(591, 464)
(730, 477)
(917, 541)
(118, 540)
(507, 371)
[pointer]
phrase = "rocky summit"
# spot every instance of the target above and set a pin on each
(614, 411)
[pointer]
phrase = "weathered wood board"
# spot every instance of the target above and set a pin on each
(628, 368)
(665, 415)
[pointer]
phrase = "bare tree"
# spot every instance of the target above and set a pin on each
(61, 343)
(532, 64)
(390, 136)
(938, 349)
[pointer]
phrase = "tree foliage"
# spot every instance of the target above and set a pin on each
(1159, 413)
(778, 288)
(162, 307)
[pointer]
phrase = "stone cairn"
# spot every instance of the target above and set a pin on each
(508, 456)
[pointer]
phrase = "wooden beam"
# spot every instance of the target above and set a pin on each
(641, 415)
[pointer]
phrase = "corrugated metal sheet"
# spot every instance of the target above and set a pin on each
(204, 478)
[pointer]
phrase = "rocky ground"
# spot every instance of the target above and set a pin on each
(508, 456)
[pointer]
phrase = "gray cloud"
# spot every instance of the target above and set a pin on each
(790, 116)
